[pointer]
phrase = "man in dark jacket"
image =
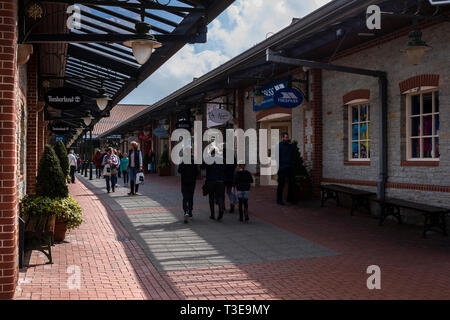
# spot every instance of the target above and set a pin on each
(189, 173)
(215, 184)
(285, 151)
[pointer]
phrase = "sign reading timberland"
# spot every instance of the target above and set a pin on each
(64, 98)
(288, 98)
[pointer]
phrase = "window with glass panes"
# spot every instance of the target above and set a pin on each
(359, 131)
(423, 126)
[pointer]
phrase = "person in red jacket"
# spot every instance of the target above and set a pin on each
(97, 160)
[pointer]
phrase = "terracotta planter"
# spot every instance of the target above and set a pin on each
(164, 171)
(60, 230)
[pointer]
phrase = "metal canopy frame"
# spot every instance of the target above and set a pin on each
(95, 53)
(383, 86)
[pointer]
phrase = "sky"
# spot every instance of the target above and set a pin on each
(244, 24)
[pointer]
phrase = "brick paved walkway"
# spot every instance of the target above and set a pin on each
(141, 249)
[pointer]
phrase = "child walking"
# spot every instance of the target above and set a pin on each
(243, 180)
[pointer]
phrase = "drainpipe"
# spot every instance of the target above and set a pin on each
(382, 114)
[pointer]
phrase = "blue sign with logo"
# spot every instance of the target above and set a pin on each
(60, 138)
(269, 90)
(160, 132)
(288, 98)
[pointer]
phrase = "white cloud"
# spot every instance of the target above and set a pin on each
(175, 73)
(242, 25)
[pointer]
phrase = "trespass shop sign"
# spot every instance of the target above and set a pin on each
(63, 98)
(288, 98)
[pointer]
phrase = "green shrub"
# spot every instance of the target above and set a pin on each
(61, 153)
(68, 210)
(65, 209)
(34, 205)
(51, 181)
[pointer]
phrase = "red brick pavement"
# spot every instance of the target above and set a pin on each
(411, 267)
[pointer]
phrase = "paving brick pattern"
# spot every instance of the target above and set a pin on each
(114, 264)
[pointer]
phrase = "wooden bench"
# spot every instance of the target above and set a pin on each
(360, 198)
(39, 231)
(433, 216)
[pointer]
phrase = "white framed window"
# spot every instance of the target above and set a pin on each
(359, 131)
(422, 125)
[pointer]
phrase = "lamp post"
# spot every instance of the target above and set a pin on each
(86, 161)
(90, 154)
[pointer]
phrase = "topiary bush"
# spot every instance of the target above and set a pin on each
(51, 181)
(61, 153)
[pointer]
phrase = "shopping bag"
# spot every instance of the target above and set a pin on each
(139, 178)
(107, 170)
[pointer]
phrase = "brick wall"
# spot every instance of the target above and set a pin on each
(419, 183)
(32, 124)
(8, 151)
(316, 124)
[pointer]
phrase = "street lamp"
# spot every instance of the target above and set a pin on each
(258, 96)
(416, 47)
(102, 99)
(87, 120)
(142, 42)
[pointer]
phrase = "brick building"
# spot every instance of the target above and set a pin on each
(39, 51)
(338, 125)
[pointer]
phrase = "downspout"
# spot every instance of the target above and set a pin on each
(382, 114)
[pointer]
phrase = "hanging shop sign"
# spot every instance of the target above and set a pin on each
(288, 98)
(219, 116)
(160, 132)
(59, 129)
(269, 91)
(60, 138)
(64, 98)
(183, 124)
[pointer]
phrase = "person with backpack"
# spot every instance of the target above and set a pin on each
(215, 185)
(124, 168)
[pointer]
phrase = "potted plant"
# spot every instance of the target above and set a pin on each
(164, 164)
(303, 185)
(68, 216)
(51, 184)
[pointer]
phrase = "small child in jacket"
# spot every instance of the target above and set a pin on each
(242, 180)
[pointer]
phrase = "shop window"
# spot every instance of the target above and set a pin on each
(359, 131)
(422, 125)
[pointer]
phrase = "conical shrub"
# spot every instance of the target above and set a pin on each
(51, 181)
(61, 153)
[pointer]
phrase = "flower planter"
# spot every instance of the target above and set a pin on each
(60, 230)
(164, 171)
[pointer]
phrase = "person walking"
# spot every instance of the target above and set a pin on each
(73, 165)
(79, 163)
(215, 185)
(285, 150)
(243, 179)
(119, 154)
(134, 166)
(189, 173)
(230, 170)
(98, 160)
(124, 168)
(110, 162)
